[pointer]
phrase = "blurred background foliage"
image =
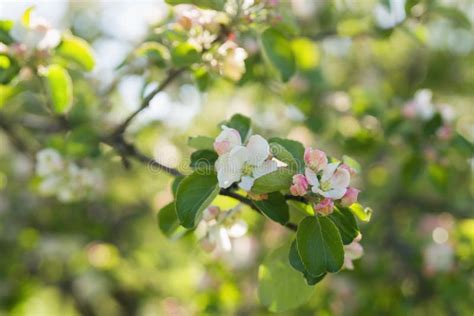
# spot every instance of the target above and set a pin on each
(354, 77)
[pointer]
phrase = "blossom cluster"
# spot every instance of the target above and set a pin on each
(422, 107)
(217, 227)
(203, 28)
(324, 182)
(33, 35)
(64, 179)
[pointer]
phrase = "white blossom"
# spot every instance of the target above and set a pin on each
(245, 163)
(37, 34)
(334, 181)
(388, 17)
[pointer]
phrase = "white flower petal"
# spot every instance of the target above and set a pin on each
(246, 183)
(228, 171)
(238, 229)
(238, 156)
(340, 179)
(328, 171)
(311, 177)
(335, 193)
(258, 150)
(265, 168)
(50, 40)
(219, 236)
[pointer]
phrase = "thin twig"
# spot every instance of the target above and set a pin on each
(173, 74)
(128, 150)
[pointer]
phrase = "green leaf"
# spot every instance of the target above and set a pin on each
(284, 155)
(59, 85)
(439, 176)
(275, 181)
(319, 245)
(297, 264)
(306, 52)
(77, 51)
(364, 214)
(201, 142)
(274, 207)
(280, 287)
(155, 52)
(277, 50)
(194, 194)
(346, 223)
(202, 78)
(9, 68)
(291, 147)
(168, 220)
(205, 4)
(203, 159)
(184, 54)
(5, 27)
(242, 124)
(351, 163)
(175, 184)
(82, 141)
(7, 92)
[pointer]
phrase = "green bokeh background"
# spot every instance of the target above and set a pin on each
(106, 256)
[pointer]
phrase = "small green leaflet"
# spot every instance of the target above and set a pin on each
(280, 287)
(346, 223)
(59, 85)
(277, 50)
(195, 193)
(275, 181)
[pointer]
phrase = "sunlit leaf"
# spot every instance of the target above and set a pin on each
(280, 287)
(364, 214)
(184, 54)
(59, 86)
(77, 51)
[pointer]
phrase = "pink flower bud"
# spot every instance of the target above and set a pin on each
(315, 159)
(324, 207)
(300, 185)
(351, 171)
(226, 140)
(210, 213)
(350, 197)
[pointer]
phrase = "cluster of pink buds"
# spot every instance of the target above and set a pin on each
(324, 182)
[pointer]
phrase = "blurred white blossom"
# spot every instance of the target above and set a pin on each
(388, 16)
(64, 179)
